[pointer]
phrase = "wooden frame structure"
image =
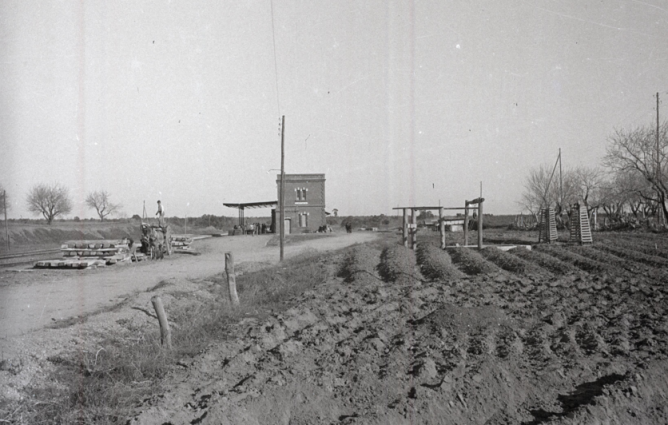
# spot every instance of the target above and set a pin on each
(410, 229)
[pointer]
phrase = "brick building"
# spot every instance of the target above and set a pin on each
(304, 202)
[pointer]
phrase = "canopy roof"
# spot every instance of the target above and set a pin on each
(267, 204)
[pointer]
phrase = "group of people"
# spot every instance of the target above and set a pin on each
(253, 228)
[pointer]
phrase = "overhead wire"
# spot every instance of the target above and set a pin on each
(273, 36)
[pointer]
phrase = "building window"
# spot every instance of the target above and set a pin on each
(303, 220)
(304, 190)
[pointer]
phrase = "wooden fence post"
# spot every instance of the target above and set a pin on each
(165, 333)
(231, 278)
(480, 231)
(466, 223)
(441, 227)
(405, 229)
(413, 230)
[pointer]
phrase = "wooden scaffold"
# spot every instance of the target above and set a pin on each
(580, 228)
(410, 224)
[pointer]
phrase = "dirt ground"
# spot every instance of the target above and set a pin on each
(562, 334)
(31, 299)
(569, 340)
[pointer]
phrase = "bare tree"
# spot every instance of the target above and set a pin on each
(589, 187)
(544, 189)
(103, 206)
(49, 200)
(636, 151)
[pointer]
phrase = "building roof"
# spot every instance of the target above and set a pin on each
(299, 177)
(267, 204)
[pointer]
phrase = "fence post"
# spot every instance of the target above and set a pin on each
(466, 223)
(405, 229)
(165, 333)
(413, 230)
(231, 278)
(441, 227)
(480, 231)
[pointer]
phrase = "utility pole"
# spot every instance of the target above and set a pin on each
(561, 184)
(4, 203)
(282, 195)
(658, 160)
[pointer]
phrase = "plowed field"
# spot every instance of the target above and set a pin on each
(559, 334)
(379, 334)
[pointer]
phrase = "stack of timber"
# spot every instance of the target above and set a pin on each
(182, 243)
(89, 254)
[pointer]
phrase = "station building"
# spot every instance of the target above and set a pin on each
(304, 202)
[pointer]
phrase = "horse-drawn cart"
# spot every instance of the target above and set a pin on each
(156, 241)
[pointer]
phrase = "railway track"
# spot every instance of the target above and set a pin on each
(26, 257)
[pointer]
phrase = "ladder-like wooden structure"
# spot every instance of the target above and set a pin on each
(580, 227)
(547, 226)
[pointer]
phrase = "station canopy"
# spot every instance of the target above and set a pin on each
(268, 204)
(250, 205)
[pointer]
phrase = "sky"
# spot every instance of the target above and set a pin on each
(398, 103)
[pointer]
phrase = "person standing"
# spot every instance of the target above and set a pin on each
(161, 214)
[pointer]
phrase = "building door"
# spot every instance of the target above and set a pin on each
(286, 225)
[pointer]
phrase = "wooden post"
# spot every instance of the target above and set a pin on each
(231, 278)
(466, 223)
(165, 333)
(405, 235)
(441, 227)
(480, 223)
(281, 198)
(413, 229)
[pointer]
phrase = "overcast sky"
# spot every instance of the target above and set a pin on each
(399, 103)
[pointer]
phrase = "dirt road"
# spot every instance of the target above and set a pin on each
(32, 299)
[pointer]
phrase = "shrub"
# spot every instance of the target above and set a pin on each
(506, 261)
(435, 263)
(359, 264)
(398, 264)
(471, 262)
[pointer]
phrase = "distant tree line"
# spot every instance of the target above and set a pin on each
(631, 184)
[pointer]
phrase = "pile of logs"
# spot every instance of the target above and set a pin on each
(89, 254)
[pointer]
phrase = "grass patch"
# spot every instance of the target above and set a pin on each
(102, 383)
(297, 238)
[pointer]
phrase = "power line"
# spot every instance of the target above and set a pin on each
(273, 36)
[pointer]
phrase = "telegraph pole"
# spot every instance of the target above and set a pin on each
(4, 203)
(561, 184)
(282, 195)
(658, 159)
